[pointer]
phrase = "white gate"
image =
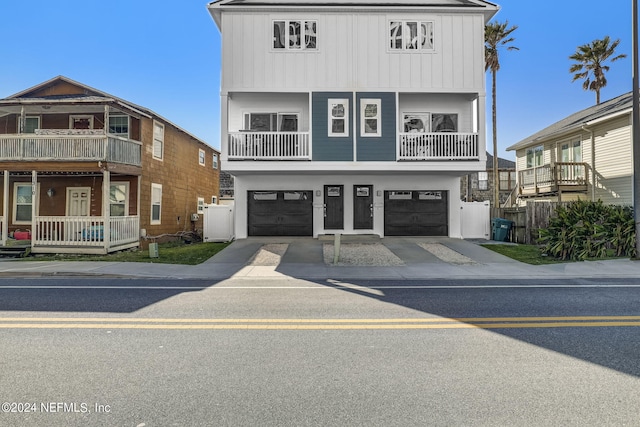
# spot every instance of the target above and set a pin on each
(217, 223)
(475, 220)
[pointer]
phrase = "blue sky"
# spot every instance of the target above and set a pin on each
(164, 55)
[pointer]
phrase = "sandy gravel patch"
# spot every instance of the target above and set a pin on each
(365, 254)
(269, 255)
(446, 254)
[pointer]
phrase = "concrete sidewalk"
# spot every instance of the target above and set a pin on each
(305, 258)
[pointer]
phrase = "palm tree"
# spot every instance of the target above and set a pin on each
(496, 36)
(590, 59)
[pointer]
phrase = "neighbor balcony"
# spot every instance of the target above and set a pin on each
(444, 146)
(70, 145)
(554, 178)
(269, 146)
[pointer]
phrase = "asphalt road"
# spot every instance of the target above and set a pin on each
(286, 352)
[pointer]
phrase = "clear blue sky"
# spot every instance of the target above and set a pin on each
(164, 55)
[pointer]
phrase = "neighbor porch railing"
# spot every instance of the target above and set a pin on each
(85, 231)
(269, 146)
(566, 174)
(438, 146)
(65, 146)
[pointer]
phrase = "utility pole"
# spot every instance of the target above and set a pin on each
(635, 124)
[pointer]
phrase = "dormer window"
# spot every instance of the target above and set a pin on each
(295, 35)
(411, 36)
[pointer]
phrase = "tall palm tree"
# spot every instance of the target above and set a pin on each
(496, 36)
(590, 59)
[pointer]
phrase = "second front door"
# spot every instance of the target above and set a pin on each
(363, 207)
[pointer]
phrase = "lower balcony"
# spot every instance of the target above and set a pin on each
(438, 146)
(553, 178)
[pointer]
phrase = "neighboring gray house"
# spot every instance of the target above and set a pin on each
(478, 186)
(351, 116)
(587, 155)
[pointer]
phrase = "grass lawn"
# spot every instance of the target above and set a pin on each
(169, 253)
(529, 254)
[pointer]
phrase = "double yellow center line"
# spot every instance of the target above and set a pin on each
(318, 324)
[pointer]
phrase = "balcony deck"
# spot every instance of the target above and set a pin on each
(70, 145)
(554, 179)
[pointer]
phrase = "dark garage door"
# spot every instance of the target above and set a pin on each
(416, 213)
(280, 213)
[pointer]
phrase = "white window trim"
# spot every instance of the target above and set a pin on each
(126, 198)
(200, 205)
(378, 118)
(330, 103)
(159, 220)
(483, 177)
(215, 159)
(81, 116)
(39, 118)
(202, 157)
(404, 29)
(214, 200)
(128, 125)
(15, 201)
(534, 163)
(287, 48)
(161, 141)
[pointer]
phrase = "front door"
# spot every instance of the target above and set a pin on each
(333, 207)
(363, 207)
(78, 199)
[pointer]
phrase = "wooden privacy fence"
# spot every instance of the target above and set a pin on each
(527, 220)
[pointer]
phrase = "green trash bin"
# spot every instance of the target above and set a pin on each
(500, 228)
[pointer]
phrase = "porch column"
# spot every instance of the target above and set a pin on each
(106, 119)
(106, 208)
(224, 128)
(481, 128)
(5, 209)
(34, 203)
(22, 120)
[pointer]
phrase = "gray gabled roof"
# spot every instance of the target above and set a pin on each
(609, 109)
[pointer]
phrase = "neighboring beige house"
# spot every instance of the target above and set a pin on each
(586, 156)
(478, 186)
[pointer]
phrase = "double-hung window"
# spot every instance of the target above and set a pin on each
(370, 123)
(483, 180)
(23, 202)
(119, 125)
(158, 140)
(338, 117)
(507, 180)
(295, 35)
(411, 36)
(201, 157)
(215, 160)
(156, 203)
(119, 199)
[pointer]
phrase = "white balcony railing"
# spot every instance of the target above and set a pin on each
(438, 146)
(269, 146)
(67, 146)
(85, 231)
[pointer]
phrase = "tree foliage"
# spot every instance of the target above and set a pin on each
(591, 65)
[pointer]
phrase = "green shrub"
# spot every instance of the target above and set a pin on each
(583, 230)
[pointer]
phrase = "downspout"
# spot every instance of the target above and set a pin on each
(593, 163)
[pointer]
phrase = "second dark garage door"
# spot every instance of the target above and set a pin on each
(280, 213)
(416, 213)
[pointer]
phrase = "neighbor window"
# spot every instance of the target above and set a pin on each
(507, 180)
(156, 203)
(158, 140)
(119, 199)
(200, 205)
(31, 123)
(412, 36)
(201, 156)
(295, 35)
(483, 180)
(416, 122)
(271, 122)
(215, 160)
(119, 125)
(370, 117)
(80, 122)
(22, 204)
(534, 156)
(338, 117)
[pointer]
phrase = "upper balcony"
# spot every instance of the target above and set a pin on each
(437, 146)
(70, 145)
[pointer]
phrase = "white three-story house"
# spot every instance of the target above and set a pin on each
(352, 117)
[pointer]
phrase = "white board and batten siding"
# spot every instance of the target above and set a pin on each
(353, 53)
